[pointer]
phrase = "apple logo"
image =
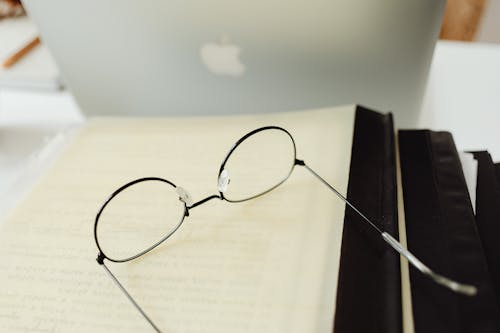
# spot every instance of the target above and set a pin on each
(222, 58)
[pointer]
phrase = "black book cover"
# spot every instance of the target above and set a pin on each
(369, 287)
(441, 231)
(488, 215)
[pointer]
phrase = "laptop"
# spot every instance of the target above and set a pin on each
(126, 57)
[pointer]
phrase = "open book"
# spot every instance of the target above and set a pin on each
(294, 260)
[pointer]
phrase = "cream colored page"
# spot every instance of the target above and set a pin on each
(257, 266)
(406, 299)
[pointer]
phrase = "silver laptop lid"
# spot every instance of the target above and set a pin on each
(128, 57)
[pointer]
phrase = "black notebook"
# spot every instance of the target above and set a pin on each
(369, 277)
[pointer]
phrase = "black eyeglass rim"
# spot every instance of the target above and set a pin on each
(240, 141)
(102, 255)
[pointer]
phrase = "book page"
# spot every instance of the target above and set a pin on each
(406, 299)
(469, 168)
(265, 265)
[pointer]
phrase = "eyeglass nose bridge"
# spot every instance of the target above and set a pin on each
(186, 198)
(202, 201)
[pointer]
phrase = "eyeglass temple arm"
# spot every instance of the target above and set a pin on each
(100, 260)
(457, 287)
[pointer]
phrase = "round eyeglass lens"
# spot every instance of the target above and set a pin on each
(257, 164)
(137, 218)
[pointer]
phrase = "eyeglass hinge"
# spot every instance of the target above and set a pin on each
(100, 258)
(299, 162)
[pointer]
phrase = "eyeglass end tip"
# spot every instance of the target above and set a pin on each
(467, 290)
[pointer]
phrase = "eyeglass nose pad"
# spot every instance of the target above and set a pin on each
(184, 196)
(223, 181)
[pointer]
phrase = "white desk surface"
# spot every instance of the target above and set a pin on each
(463, 97)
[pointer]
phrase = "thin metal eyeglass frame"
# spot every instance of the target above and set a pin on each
(457, 287)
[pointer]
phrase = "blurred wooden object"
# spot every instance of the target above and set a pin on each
(11, 8)
(461, 19)
(21, 53)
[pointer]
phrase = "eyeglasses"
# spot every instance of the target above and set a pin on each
(257, 163)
